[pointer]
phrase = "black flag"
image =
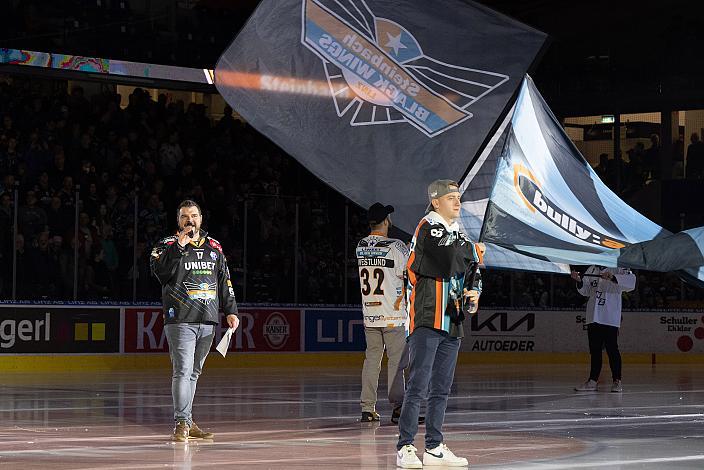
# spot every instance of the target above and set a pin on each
(377, 98)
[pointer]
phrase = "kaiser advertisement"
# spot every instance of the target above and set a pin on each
(260, 330)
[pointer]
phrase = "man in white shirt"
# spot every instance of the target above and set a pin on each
(382, 262)
(604, 287)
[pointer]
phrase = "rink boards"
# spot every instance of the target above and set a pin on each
(51, 332)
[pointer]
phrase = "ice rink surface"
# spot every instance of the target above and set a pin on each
(499, 416)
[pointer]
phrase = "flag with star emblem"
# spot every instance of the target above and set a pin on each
(375, 97)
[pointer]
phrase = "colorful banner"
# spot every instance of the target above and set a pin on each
(104, 66)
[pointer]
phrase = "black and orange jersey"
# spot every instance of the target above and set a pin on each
(441, 258)
(195, 280)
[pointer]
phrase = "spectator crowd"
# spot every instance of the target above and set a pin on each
(84, 167)
(67, 154)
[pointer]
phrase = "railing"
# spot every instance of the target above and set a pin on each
(280, 249)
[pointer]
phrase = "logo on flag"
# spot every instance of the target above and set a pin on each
(377, 72)
(530, 192)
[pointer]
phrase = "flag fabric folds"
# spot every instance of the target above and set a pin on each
(377, 98)
(547, 202)
(476, 188)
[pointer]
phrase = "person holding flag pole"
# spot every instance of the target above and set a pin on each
(445, 289)
(604, 287)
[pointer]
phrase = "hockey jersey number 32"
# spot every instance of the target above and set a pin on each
(382, 261)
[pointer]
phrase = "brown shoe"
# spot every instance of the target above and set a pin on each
(181, 431)
(197, 433)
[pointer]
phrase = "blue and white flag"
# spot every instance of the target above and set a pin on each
(476, 188)
(547, 202)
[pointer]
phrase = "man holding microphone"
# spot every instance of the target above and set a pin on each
(195, 280)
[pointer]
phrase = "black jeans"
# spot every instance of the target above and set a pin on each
(600, 337)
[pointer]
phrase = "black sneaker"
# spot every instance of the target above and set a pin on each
(396, 415)
(370, 416)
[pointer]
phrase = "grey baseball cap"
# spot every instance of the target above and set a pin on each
(439, 188)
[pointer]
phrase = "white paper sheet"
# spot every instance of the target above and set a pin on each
(225, 342)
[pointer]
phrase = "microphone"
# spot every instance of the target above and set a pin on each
(191, 233)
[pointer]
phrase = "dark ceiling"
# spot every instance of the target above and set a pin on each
(628, 55)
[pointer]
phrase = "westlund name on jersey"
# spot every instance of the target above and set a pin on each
(381, 262)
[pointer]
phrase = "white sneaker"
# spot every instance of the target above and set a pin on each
(588, 386)
(407, 458)
(442, 455)
(617, 387)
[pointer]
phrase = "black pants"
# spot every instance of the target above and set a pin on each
(600, 337)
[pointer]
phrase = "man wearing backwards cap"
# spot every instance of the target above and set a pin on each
(440, 271)
(382, 263)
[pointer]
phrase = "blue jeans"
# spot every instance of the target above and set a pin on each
(189, 344)
(433, 357)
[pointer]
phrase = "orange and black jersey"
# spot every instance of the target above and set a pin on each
(441, 258)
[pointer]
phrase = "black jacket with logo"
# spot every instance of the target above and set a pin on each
(441, 260)
(195, 280)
